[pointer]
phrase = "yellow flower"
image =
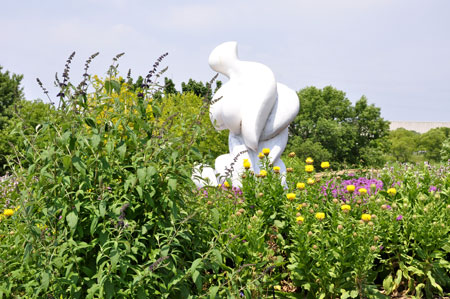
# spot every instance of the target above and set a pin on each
(351, 188)
(246, 164)
(291, 155)
(260, 155)
(325, 165)
(266, 151)
(299, 207)
(226, 184)
(300, 219)
(310, 181)
(263, 173)
(346, 208)
(366, 217)
(300, 186)
(362, 191)
(320, 215)
(276, 169)
(278, 288)
(289, 169)
(290, 196)
(8, 212)
(309, 160)
(392, 191)
(309, 168)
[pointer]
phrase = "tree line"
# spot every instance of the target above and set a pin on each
(328, 127)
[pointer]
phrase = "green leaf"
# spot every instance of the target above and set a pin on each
(139, 190)
(95, 141)
(213, 292)
(354, 293)
(90, 122)
(72, 220)
(45, 280)
(79, 165)
(142, 174)
(122, 150)
(172, 184)
(388, 285)
(67, 162)
(196, 277)
(398, 279)
(94, 225)
(433, 282)
(195, 264)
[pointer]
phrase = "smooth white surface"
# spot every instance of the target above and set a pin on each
(254, 107)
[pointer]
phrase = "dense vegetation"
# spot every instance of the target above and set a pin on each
(100, 203)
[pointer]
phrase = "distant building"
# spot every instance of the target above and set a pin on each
(418, 126)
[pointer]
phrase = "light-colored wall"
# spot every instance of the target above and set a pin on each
(418, 126)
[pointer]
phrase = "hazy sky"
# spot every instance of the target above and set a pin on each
(396, 52)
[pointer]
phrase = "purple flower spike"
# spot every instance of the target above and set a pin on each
(399, 217)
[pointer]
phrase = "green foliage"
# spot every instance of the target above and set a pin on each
(103, 206)
(349, 134)
(210, 143)
(403, 144)
(445, 151)
(431, 142)
(10, 92)
(26, 118)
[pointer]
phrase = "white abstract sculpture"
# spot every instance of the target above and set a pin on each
(255, 108)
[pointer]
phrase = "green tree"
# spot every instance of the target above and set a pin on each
(445, 150)
(431, 142)
(350, 134)
(10, 93)
(403, 143)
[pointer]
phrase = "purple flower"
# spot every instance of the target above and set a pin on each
(399, 217)
(432, 189)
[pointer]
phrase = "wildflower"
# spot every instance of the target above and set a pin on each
(289, 169)
(373, 248)
(315, 246)
(310, 181)
(355, 234)
(346, 208)
(366, 217)
(276, 169)
(266, 151)
(340, 227)
(392, 191)
(335, 200)
(325, 165)
(310, 233)
(260, 155)
(278, 288)
(8, 212)
(300, 219)
(399, 217)
(320, 215)
(309, 168)
(350, 188)
(300, 186)
(362, 191)
(290, 196)
(291, 155)
(299, 207)
(247, 164)
(309, 160)
(226, 184)
(263, 173)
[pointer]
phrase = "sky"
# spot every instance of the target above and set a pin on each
(396, 53)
